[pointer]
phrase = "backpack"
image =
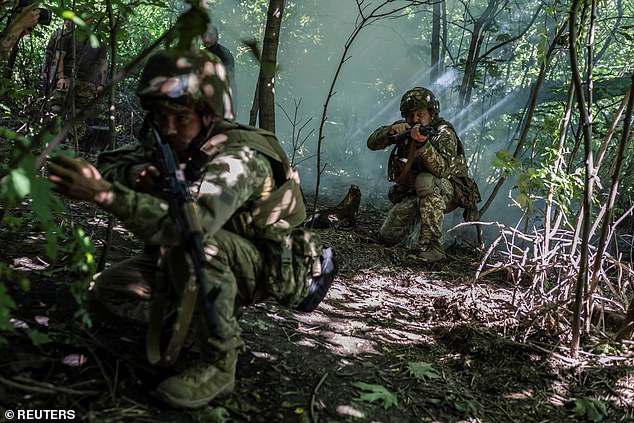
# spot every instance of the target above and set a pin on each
(291, 259)
(466, 196)
(466, 191)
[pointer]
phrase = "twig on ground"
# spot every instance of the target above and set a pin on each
(313, 417)
(42, 387)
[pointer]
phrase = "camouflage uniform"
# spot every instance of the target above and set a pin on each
(427, 191)
(248, 198)
(232, 183)
(85, 92)
(81, 75)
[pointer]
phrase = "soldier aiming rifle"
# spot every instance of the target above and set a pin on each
(429, 168)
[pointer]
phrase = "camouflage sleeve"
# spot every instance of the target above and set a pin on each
(231, 179)
(438, 155)
(378, 139)
(114, 165)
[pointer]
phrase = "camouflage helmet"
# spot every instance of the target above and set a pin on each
(179, 80)
(419, 98)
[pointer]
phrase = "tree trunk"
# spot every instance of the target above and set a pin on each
(435, 44)
(268, 65)
(479, 30)
(445, 34)
(113, 24)
(253, 113)
(614, 188)
(586, 124)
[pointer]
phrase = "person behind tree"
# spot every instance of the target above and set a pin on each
(210, 40)
(81, 69)
(429, 167)
(250, 205)
(49, 66)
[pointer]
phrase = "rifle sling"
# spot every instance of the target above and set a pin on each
(181, 325)
(402, 178)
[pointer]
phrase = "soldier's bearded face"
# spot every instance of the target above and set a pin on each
(421, 116)
(178, 127)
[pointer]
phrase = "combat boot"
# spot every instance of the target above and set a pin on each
(201, 382)
(432, 252)
(320, 284)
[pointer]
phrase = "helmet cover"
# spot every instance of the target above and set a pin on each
(181, 79)
(419, 98)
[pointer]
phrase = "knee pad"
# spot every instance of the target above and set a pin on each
(425, 185)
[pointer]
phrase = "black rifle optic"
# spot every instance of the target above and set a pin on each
(427, 131)
(185, 216)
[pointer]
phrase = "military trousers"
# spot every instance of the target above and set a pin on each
(233, 268)
(60, 106)
(417, 220)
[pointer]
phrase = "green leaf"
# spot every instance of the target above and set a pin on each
(37, 337)
(580, 407)
(522, 199)
(10, 135)
(42, 199)
(468, 407)
(213, 415)
(25, 284)
(12, 221)
(594, 410)
(68, 14)
(376, 392)
(421, 370)
(219, 414)
(21, 182)
(504, 155)
(6, 305)
(6, 302)
(51, 243)
(189, 25)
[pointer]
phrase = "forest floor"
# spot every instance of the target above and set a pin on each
(395, 341)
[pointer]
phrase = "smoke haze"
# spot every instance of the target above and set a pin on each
(387, 58)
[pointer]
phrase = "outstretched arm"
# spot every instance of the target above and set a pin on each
(78, 179)
(379, 139)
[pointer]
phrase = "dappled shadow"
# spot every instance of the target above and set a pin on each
(434, 345)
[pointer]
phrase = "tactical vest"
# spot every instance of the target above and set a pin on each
(284, 207)
(273, 222)
(467, 194)
(399, 155)
(466, 191)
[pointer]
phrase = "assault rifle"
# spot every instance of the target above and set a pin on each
(427, 131)
(185, 216)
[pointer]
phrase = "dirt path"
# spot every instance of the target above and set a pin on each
(395, 341)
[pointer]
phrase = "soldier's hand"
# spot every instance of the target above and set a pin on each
(62, 84)
(143, 177)
(78, 179)
(416, 135)
(398, 128)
